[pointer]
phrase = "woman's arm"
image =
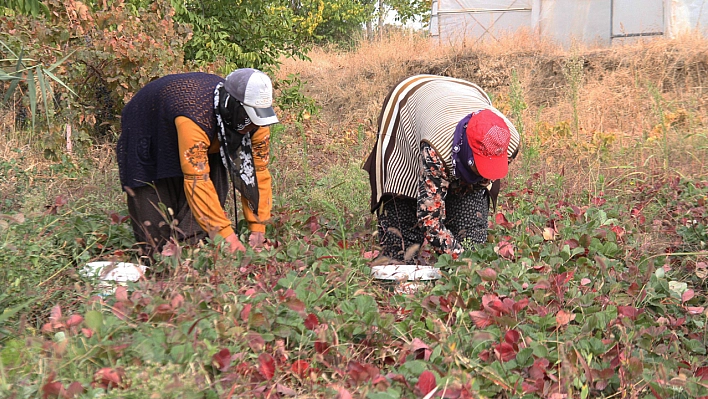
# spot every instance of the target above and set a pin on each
(199, 189)
(433, 185)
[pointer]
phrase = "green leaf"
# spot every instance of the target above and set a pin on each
(61, 61)
(54, 78)
(93, 320)
(8, 313)
(390, 393)
(413, 368)
(14, 83)
(32, 92)
(677, 288)
(695, 346)
(523, 358)
(660, 272)
(4, 77)
(44, 91)
(8, 49)
(29, 7)
(539, 349)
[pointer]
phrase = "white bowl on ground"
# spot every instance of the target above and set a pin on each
(119, 272)
(405, 272)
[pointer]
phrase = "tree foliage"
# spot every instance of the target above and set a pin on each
(410, 10)
(248, 33)
(344, 19)
(118, 46)
(28, 7)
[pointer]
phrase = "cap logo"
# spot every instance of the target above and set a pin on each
(494, 142)
(263, 97)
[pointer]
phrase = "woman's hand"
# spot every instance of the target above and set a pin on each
(256, 239)
(234, 244)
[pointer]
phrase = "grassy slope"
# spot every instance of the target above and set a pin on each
(573, 295)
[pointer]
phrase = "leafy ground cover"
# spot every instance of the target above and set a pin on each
(565, 301)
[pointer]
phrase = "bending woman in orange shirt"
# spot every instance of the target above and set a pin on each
(182, 135)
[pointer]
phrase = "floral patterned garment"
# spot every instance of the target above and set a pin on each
(433, 186)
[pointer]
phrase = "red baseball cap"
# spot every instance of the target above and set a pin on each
(488, 136)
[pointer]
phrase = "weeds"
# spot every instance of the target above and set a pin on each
(518, 105)
(573, 72)
(291, 98)
(659, 110)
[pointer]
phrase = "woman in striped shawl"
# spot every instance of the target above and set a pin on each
(441, 150)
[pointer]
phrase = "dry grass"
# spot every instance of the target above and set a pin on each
(628, 96)
(641, 108)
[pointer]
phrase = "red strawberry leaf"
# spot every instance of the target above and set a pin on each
(628, 311)
(687, 295)
(75, 389)
(121, 293)
(300, 368)
(426, 382)
(481, 319)
(484, 355)
(222, 359)
(512, 337)
(321, 347)
(313, 224)
(501, 220)
(266, 365)
(311, 321)
(361, 373)
(255, 341)
(487, 274)
(296, 305)
(342, 393)
(177, 301)
(505, 250)
(505, 351)
(55, 315)
(520, 305)
(563, 317)
(108, 378)
(118, 219)
(245, 312)
(74, 320)
(53, 389)
(421, 349)
(539, 368)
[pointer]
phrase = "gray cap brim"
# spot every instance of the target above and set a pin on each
(261, 116)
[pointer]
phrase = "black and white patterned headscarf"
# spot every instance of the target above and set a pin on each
(235, 148)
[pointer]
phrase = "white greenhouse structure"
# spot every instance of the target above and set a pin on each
(592, 22)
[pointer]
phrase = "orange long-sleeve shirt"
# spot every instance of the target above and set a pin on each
(194, 147)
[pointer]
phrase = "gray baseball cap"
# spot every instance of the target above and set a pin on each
(254, 90)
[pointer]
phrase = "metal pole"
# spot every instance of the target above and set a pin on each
(536, 17)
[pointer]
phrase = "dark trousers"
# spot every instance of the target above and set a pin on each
(401, 235)
(160, 211)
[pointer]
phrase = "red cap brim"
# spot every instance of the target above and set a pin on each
(491, 168)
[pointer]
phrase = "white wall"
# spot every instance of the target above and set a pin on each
(473, 20)
(599, 22)
(566, 21)
(687, 15)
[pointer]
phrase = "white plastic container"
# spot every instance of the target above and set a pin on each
(114, 271)
(405, 279)
(111, 274)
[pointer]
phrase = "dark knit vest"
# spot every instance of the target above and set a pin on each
(148, 148)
